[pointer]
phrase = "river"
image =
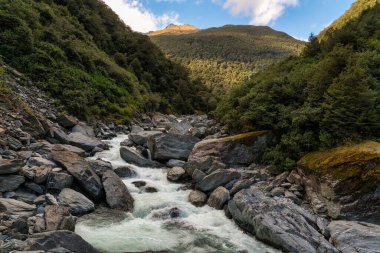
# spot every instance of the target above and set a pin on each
(150, 227)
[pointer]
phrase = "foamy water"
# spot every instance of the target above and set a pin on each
(196, 229)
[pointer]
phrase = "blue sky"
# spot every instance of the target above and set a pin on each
(298, 18)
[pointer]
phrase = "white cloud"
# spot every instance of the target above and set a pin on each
(140, 19)
(261, 12)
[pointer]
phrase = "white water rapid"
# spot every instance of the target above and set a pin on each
(196, 230)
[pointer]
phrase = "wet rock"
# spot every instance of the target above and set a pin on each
(125, 172)
(131, 156)
(175, 163)
(176, 174)
(117, 194)
(59, 181)
(197, 198)
(353, 236)
(217, 178)
(10, 166)
(164, 147)
(150, 189)
(75, 201)
(17, 208)
(139, 184)
(10, 182)
(59, 239)
(279, 222)
(99, 166)
(59, 218)
(218, 198)
(127, 143)
(141, 138)
(173, 213)
(81, 171)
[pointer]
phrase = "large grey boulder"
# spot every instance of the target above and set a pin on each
(77, 202)
(141, 138)
(84, 129)
(10, 166)
(353, 236)
(279, 222)
(218, 198)
(59, 239)
(99, 166)
(132, 156)
(84, 142)
(81, 170)
(117, 194)
(197, 198)
(164, 147)
(16, 208)
(10, 182)
(217, 178)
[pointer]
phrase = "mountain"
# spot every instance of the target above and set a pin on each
(224, 57)
(95, 66)
(328, 96)
(175, 30)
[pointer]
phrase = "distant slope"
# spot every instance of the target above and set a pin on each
(175, 30)
(85, 57)
(223, 57)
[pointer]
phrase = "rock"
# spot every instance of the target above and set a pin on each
(197, 198)
(84, 142)
(127, 143)
(278, 191)
(125, 172)
(117, 194)
(59, 181)
(34, 187)
(164, 147)
(218, 198)
(10, 166)
(131, 156)
(51, 200)
(180, 128)
(84, 129)
(243, 149)
(78, 151)
(198, 176)
(353, 236)
(278, 222)
(36, 224)
(59, 218)
(136, 129)
(41, 174)
(81, 171)
(294, 178)
(139, 184)
(176, 174)
(203, 164)
(322, 224)
(39, 200)
(141, 138)
(40, 161)
(99, 166)
(150, 189)
(292, 197)
(77, 202)
(59, 239)
(17, 208)
(280, 179)
(175, 163)
(13, 143)
(67, 121)
(344, 182)
(217, 178)
(241, 184)
(10, 182)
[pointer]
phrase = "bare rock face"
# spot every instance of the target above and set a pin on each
(218, 198)
(81, 170)
(117, 194)
(75, 201)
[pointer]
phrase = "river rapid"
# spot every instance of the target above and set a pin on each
(162, 220)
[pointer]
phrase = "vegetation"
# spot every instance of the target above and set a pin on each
(84, 56)
(328, 96)
(224, 57)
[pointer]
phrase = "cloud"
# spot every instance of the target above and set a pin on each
(261, 12)
(140, 19)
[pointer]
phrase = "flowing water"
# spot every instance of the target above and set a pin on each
(150, 227)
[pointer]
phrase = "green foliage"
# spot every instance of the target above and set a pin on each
(224, 57)
(328, 96)
(84, 56)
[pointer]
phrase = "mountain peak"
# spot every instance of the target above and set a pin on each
(174, 29)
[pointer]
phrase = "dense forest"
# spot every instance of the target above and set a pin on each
(328, 96)
(84, 56)
(224, 57)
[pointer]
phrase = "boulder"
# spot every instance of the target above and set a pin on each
(77, 202)
(125, 172)
(10, 166)
(164, 147)
(241, 184)
(203, 164)
(175, 163)
(10, 182)
(59, 181)
(59, 218)
(84, 129)
(17, 208)
(117, 194)
(197, 198)
(84, 142)
(218, 198)
(180, 128)
(141, 138)
(40, 161)
(67, 240)
(41, 174)
(278, 222)
(198, 176)
(99, 166)
(35, 187)
(81, 170)
(176, 174)
(343, 182)
(132, 156)
(217, 178)
(354, 236)
(70, 148)
(243, 149)
(67, 121)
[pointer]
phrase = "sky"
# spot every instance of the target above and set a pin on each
(298, 18)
